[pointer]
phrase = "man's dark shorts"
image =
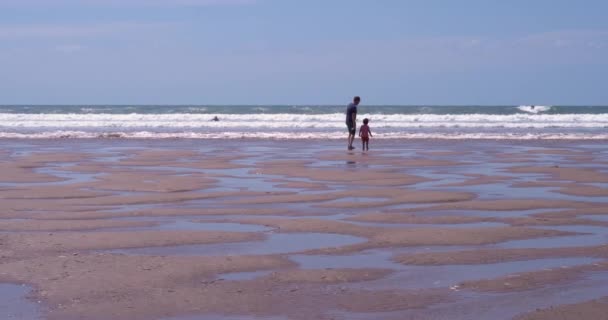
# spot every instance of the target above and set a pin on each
(351, 128)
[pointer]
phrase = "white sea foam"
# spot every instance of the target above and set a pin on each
(87, 110)
(197, 109)
(287, 121)
(334, 135)
(534, 109)
(303, 126)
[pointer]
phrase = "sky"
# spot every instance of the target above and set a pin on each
(407, 52)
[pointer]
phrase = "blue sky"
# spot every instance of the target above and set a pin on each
(303, 51)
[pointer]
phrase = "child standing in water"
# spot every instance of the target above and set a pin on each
(365, 133)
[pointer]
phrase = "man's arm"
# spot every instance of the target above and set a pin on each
(354, 117)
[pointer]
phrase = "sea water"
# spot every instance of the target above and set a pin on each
(303, 122)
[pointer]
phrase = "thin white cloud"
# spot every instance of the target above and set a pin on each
(77, 30)
(563, 39)
(125, 3)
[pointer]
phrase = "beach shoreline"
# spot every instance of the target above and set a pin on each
(301, 229)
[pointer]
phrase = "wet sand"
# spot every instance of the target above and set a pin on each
(188, 229)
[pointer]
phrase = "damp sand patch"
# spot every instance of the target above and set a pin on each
(540, 304)
(33, 244)
(273, 244)
(497, 255)
(536, 279)
(186, 224)
(189, 287)
(403, 237)
(508, 205)
(26, 225)
(587, 236)
(446, 276)
(583, 175)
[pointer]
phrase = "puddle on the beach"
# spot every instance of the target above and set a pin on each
(14, 220)
(368, 259)
(223, 189)
(596, 236)
(596, 199)
(603, 218)
(127, 207)
(599, 184)
(67, 177)
(308, 207)
(263, 149)
(367, 200)
(487, 168)
(21, 153)
(419, 277)
(494, 213)
(113, 157)
(408, 206)
(501, 170)
(235, 179)
(232, 172)
(184, 169)
(494, 191)
(243, 276)
(348, 164)
(550, 159)
(433, 249)
(15, 305)
(236, 218)
(245, 183)
(281, 243)
(208, 226)
(403, 153)
(334, 217)
(436, 179)
(252, 160)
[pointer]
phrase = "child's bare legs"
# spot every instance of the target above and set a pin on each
(364, 144)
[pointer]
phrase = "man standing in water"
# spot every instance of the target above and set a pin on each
(351, 121)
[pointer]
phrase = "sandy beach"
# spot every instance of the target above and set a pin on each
(254, 229)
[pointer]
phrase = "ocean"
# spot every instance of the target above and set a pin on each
(303, 122)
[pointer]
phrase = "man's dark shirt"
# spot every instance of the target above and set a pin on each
(350, 110)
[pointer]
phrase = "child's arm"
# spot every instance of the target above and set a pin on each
(370, 132)
(360, 131)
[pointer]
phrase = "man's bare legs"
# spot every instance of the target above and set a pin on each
(351, 121)
(351, 139)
